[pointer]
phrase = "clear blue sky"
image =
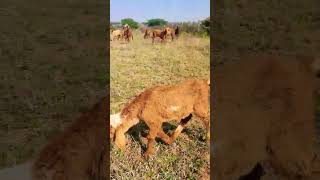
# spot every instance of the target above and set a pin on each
(170, 10)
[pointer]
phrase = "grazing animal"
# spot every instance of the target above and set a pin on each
(127, 33)
(164, 103)
(159, 33)
(170, 32)
(79, 152)
(126, 26)
(264, 112)
(147, 33)
(117, 34)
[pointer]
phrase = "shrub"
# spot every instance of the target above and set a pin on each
(133, 24)
(156, 22)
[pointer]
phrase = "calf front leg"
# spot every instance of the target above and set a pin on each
(151, 141)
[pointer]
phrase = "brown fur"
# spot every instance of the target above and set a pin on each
(127, 33)
(147, 33)
(264, 113)
(170, 32)
(159, 33)
(117, 34)
(79, 152)
(163, 103)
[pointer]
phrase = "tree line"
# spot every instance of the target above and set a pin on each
(200, 27)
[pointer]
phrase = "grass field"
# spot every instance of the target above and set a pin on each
(139, 65)
(53, 65)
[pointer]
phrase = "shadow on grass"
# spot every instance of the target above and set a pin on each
(142, 130)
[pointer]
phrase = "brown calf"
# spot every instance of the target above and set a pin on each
(164, 103)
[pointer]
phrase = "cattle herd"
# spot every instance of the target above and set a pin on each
(125, 33)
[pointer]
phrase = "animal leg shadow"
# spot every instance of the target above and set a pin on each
(138, 130)
(142, 130)
(178, 130)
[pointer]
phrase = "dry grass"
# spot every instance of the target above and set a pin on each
(139, 65)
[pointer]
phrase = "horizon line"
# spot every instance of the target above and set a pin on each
(119, 21)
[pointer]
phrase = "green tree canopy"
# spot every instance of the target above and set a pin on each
(156, 22)
(133, 24)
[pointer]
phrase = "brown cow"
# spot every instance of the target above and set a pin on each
(127, 33)
(164, 103)
(159, 33)
(147, 33)
(170, 32)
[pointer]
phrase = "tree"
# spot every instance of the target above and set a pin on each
(205, 25)
(133, 24)
(156, 22)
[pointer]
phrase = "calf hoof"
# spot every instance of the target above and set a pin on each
(146, 156)
(170, 142)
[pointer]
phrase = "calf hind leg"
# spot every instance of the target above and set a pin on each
(165, 137)
(181, 126)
